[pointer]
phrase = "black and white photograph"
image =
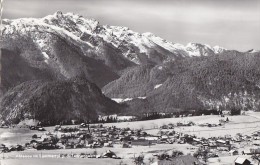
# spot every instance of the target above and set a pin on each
(129, 82)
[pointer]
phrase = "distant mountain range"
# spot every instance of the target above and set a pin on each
(146, 71)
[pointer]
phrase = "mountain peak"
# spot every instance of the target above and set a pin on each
(89, 35)
(217, 49)
(58, 14)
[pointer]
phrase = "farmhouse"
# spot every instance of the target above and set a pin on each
(233, 152)
(196, 141)
(247, 152)
(255, 151)
(141, 142)
(242, 161)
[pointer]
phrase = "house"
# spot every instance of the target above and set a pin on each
(164, 127)
(152, 139)
(220, 142)
(247, 152)
(164, 137)
(213, 145)
(109, 144)
(242, 161)
(233, 152)
(196, 141)
(255, 151)
(181, 160)
(223, 144)
(109, 154)
(141, 142)
(179, 124)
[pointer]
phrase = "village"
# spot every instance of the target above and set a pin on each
(106, 140)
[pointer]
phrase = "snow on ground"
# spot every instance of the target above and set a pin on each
(217, 49)
(15, 135)
(119, 100)
(245, 124)
(62, 31)
(126, 118)
(141, 98)
(254, 51)
(238, 124)
(54, 161)
(159, 41)
(126, 153)
(41, 43)
(6, 135)
(46, 56)
(31, 22)
(193, 49)
(141, 42)
(226, 160)
(157, 86)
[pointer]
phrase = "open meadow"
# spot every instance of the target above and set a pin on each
(244, 124)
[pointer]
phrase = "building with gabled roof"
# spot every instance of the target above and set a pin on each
(242, 161)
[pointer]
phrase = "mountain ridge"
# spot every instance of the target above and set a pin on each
(75, 26)
(143, 71)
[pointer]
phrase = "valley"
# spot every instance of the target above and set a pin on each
(244, 125)
(76, 91)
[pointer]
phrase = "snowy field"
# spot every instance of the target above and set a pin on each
(25, 157)
(245, 124)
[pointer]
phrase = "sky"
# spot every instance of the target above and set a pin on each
(232, 24)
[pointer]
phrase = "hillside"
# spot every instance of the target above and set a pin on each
(62, 46)
(148, 72)
(56, 101)
(224, 81)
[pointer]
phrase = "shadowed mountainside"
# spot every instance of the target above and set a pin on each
(53, 102)
(224, 81)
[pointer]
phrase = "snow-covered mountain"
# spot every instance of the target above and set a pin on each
(144, 69)
(91, 37)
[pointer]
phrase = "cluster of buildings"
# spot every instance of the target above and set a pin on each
(4, 148)
(97, 136)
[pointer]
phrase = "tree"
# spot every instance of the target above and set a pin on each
(164, 156)
(235, 111)
(227, 120)
(34, 136)
(176, 153)
(95, 152)
(256, 157)
(139, 160)
(151, 160)
(203, 153)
